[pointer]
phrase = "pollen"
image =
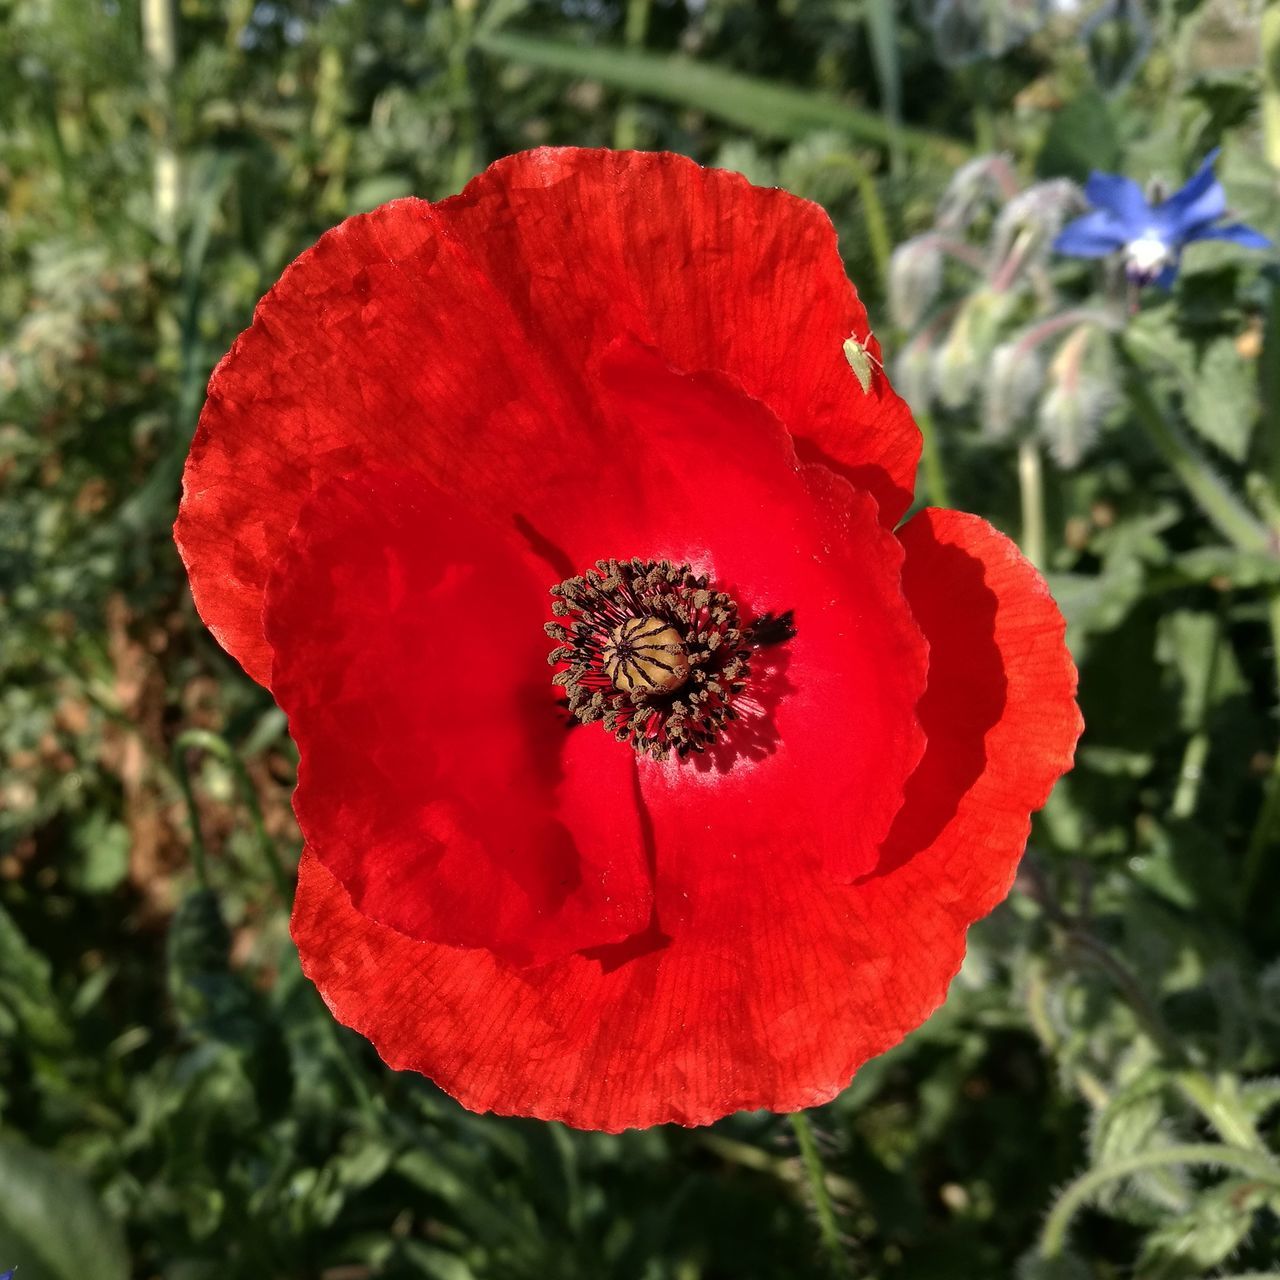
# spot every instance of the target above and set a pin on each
(654, 652)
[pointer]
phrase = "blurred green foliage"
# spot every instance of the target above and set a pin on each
(174, 1099)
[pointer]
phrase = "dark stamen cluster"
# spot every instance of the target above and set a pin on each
(650, 649)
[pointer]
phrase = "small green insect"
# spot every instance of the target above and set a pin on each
(861, 361)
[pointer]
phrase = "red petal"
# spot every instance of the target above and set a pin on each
(453, 339)
(714, 273)
(815, 769)
(382, 345)
(817, 977)
(1001, 720)
(438, 781)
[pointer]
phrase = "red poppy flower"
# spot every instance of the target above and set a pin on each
(726, 847)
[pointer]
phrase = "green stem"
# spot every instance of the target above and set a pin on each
(199, 852)
(935, 474)
(1222, 1112)
(1031, 491)
(1269, 364)
(626, 128)
(204, 740)
(785, 1168)
(827, 1224)
(1191, 773)
(1054, 1237)
(874, 217)
(1264, 830)
(465, 155)
(374, 1109)
(1214, 498)
(160, 40)
(1271, 85)
(1219, 1104)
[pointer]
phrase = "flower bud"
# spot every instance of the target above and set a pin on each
(915, 276)
(1079, 398)
(1027, 225)
(964, 354)
(1070, 416)
(913, 374)
(1014, 379)
(973, 187)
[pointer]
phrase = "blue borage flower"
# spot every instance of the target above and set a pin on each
(1152, 237)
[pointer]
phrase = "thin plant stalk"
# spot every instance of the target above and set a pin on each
(1223, 509)
(1031, 493)
(626, 128)
(828, 1226)
(465, 156)
(199, 851)
(1191, 773)
(935, 473)
(1270, 32)
(1219, 1105)
(1053, 1239)
(160, 40)
(203, 740)
(1264, 835)
(874, 217)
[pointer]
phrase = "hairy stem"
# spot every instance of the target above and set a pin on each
(1215, 499)
(1196, 752)
(1053, 1239)
(203, 740)
(935, 473)
(828, 1227)
(1264, 835)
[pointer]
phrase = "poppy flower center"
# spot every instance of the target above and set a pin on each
(646, 655)
(655, 652)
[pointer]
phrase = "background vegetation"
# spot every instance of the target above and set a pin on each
(1098, 1098)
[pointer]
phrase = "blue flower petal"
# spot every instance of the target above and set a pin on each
(1200, 201)
(1166, 278)
(1121, 197)
(1235, 232)
(1094, 235)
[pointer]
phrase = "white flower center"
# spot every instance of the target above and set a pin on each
(1148, 255)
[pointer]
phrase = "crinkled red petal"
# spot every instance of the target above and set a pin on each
(818, 976)
(814, 769)
(456, 339)
(437, 778)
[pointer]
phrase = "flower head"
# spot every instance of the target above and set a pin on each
(1151, 237)
(648, 770)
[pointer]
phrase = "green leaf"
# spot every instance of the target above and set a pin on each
(208, 997)
(27, 1001)
(1222, 400)
(51, 1224)
(1191, 644)
(1215, 1227)
(882, 28)
(1082, 137)
(1134, 1121)
(1093, 603)
(1239, 568)
(760, 106)
(101, 859)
